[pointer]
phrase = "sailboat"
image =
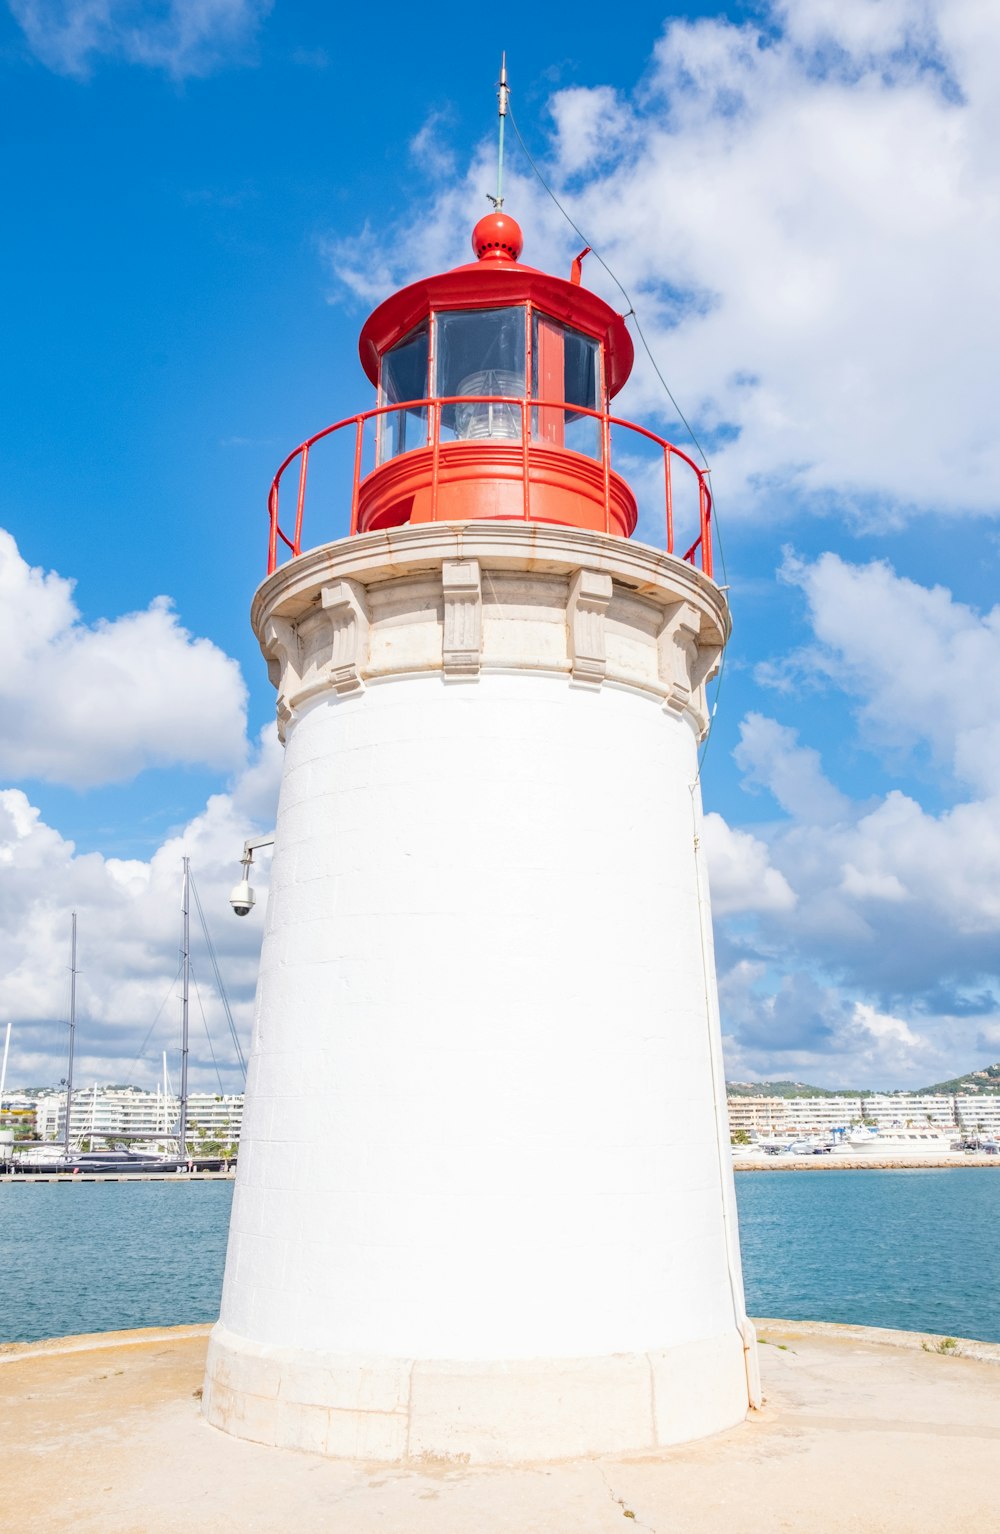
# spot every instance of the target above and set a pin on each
(121, 1160)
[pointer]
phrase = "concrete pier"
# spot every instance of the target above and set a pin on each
(885, 1432)
(20, 1177)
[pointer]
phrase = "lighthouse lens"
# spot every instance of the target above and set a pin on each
(480, 352)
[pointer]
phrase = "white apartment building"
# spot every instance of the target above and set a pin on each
(820, 1115)
(906, 1110)
(757, 1115)
(212, 1117)
(967, 1112)
(129, 1111)
(978, 1114)
(785, 1115)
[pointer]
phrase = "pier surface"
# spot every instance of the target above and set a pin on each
(861, 1430)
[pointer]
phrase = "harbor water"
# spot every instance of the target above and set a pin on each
(910, 1249)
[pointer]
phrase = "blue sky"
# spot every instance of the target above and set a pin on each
(205, 199)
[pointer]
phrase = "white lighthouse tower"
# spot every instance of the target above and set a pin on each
(484, 1205)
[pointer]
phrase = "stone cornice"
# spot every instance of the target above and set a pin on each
(464, 598)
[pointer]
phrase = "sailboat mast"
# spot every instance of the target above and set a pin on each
(3, 1068)
(186, 970)
(72, 1033)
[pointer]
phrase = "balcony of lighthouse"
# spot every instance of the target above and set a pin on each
(493, 385)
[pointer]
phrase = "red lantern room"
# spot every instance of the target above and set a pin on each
(507, 372)
(494, 383)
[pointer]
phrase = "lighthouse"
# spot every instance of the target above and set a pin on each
(484, 1209)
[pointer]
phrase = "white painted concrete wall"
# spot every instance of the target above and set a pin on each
(482, 1118)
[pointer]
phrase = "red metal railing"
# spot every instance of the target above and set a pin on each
(433, 408)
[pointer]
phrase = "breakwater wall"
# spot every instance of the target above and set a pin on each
(861, 1163)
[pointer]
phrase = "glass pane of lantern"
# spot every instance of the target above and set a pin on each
(480, 352)
(403, 376)
(565, 367)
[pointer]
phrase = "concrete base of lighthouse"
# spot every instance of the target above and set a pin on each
(484, 1206)
(397, 1410)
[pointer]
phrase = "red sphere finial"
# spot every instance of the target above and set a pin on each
(499, 236)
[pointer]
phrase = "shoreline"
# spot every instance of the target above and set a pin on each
(740, 1164)
(861, 1163)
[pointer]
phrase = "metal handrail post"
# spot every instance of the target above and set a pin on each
(606, 461)
(359, 433)
(435, 431)
(706, 531)
(272, 536)
(300, 502)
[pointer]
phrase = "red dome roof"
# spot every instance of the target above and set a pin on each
(498, 278)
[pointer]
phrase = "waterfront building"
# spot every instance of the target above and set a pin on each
(821, 1115)
(129, 1112)
(758, 1115)
(792, 1115)
(909, 1110)
(215, 1117)
(963, 1112)
(485, 1205)
(17, 1114)
(978, 1113)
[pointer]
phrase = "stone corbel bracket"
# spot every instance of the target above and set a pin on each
(346, 606)
(687, 661)
(590, 593)
(462, 641)
(279, 642)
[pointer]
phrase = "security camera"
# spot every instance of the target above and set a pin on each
(242, 899)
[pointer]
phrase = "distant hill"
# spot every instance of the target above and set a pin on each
(785, 1089)
(986, 1082)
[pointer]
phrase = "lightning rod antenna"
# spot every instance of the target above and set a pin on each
(503, 95)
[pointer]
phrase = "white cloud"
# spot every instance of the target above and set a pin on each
(924, 672)
(804, 1029)
(896, 910)
(182, 37)
(770, 757)
(360, 265)
(129, 938)
(429, 147)
(592, 126)
(897, 900)
(924, 667)
(884, 1030)
(807, 215)
(86, 704)
(742, 878)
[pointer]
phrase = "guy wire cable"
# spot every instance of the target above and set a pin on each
(223, 996)
(141, 1052)
(631, 313)
(211, 1046)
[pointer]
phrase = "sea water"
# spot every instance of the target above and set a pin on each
(911, 1249)
(914, 1249)
(105, 1256)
